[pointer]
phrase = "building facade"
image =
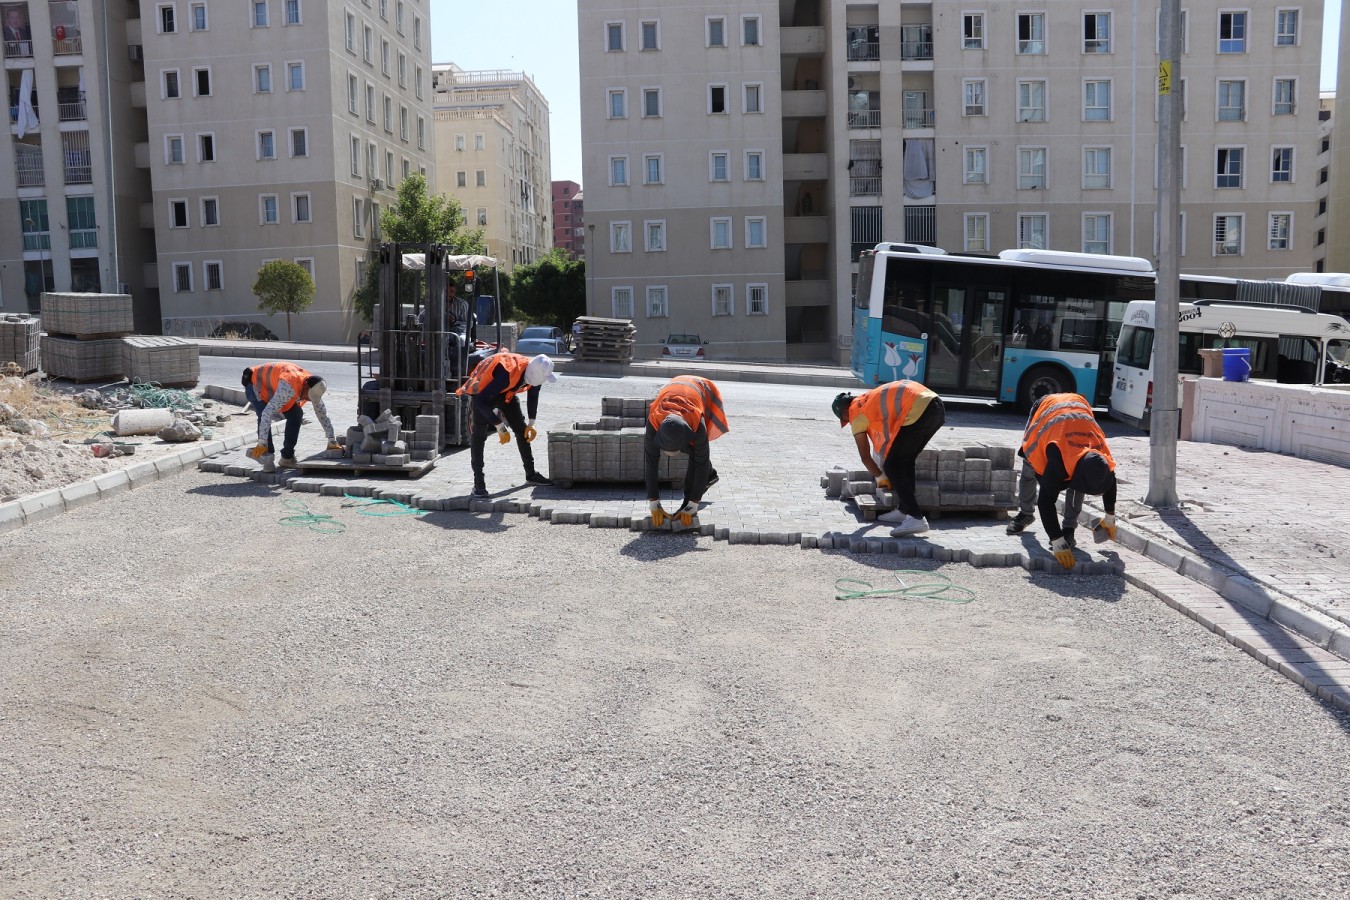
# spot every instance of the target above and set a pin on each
(569, 219)
(974, 128)
(1338, 144)
(492, 155)
(214, 163)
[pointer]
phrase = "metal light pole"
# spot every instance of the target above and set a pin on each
(42, 261)
(1162, 481)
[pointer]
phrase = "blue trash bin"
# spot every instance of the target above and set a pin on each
(1237, 364)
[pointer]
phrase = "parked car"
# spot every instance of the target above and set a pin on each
(542, 339)
(253, 331)
(683, 346)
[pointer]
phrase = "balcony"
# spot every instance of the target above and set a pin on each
(921, 225)
(806, 230)
(864, 186)
(864, 118)
(77, 162)
(36, 240)
(921, 117)
(18, 49)
(71, 46)
(70, 105)
(864, 44)
(28, 165)
(916, 42)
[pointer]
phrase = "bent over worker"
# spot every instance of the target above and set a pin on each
(685, 416)
(492, 388)
(1064, 450)
(897, 420)
(281, 389)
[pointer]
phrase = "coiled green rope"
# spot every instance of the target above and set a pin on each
(324, 524)
(383, 509)
(941, 589)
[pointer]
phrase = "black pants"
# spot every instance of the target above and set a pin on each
(899, 463)
(480, 427)
(293, 416)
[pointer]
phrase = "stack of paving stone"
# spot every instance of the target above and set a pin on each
(19, 335)
(168, 361)
(379, 442)
(611, 449)
(605, 340)
(84, 335)
(950, 478)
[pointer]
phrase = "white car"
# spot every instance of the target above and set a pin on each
(683, 346)
(542, 339)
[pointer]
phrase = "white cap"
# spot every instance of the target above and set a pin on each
(540, 371)
(316, 391)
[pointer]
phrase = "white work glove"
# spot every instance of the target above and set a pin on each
(687, 513)
(503, 436)
(658, 514)
(1063, 554)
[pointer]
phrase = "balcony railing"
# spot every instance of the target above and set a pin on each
(37, 240)
(84, 239)
(76, 158)
(864, 118)
(18, 49)
(71, 46)
(28, 165)
(916, 49)
(919, 118)
(864, 51)
(864, 186)
(72, 112)
(921, 225)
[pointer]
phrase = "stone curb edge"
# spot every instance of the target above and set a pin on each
(326, 354)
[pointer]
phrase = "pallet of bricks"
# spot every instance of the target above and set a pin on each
(952, 477)
(84, 335)
(611, 449)
(19, 345)
(605, 340)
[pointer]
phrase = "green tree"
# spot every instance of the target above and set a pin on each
(551, 291)
(416, 219)
(283, 286)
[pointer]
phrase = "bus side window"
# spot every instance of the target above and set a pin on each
(902, 310)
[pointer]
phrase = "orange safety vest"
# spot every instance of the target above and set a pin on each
(886, 408)
(1066, 421)
(266, 379)
(694, 399)
(481, 376)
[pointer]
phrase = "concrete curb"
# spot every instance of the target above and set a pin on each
(270, 350)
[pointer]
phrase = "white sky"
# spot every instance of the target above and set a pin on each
(539, 38)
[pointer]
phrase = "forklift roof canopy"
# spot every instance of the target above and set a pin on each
(418, 261)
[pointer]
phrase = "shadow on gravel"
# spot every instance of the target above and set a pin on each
(653, 545)
(464, 520)
(236, 489)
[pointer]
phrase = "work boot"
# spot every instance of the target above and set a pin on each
(1020, 523)
(1069, 538)
(480, 491)
(712, 477)
(910, 526)
(537, 478)
(287, 462)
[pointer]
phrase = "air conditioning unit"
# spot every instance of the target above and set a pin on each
(377, 184)
(134, 53)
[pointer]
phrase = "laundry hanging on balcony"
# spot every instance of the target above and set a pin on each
(28, 118)
(918, 168)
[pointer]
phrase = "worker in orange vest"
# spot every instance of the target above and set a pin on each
(685, 416)
(894, 421)
(281, 389)
(1064, 450)
(492, 388)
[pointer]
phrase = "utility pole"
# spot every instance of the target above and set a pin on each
(1162, 479)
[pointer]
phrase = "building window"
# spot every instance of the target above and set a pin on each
(976, 166)
(654, 236)
(977, 232)
(350, 33)
(210, 211)
(618, 104)
(417, 81)
(618, 171)
(172, 91)
(268, 210)
(370, 102)
(1228, 235)
(182, 278)
(168, 20)
(178, 214)
(972, 31)
(1096, 101)
(973, 90)
(1031, 101)
(756, 299)
(1031, 33)
(1286, 96)
(657, 306)
(1096, 232)
(201, 82)
(1033, 231)
(306, 263)
(206, 148)
(722, 302)
(756, 231)
(717, 99)
(1228, 167)
(1282, 164)
(421, 133)
(480, 178)
(1096, 168)
(459, 143)
(482, 216)
(479, 141)
(213, 277)
(402, 69)
(1232, 97)
(716, 31)
(417, 32)
(1286, 31)
(717, 166)
(403, 123)
(292, 12)
(651, 103)
(754, 97)
(620, 237)
(295, 76)
(368, 44)
(356, 156)
(300, 211)
(719, 228)
(198, 17)
(750, 31)
(650, 35)
(358, 217)
(1030, 168)
(173, 149)
(388, 114)
(621, 300)
(384, 10)
(651, 169)
(299, 142)
(384, 57)
(1281, 225)
(353, 95)
(259, 13)
(1097, 32)
(461, 179)
(398, 16)
(613, 37)
(1232, 32)
(754, 165)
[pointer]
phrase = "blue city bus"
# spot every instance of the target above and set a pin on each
(1009, 328)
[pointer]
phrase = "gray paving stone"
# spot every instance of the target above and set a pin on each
(80, 494)
(37, 507)
(1247, 593)
(110, 484)
(11, 516)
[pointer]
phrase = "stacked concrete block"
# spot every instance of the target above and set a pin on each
(81, 360)
(611, 449)
(19, 342)
(166, 361)
(952, 477)
(376, 441)
(83, 335)
(426, 438)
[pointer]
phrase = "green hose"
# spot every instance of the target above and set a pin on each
(942, 589)
(369, 506)
(324, 524)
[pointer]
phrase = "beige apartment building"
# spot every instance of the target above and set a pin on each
(1338, 202)
(215, 136)
(971, 127)
(492, 155)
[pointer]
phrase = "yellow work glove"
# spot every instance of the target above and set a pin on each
(503, 436)
(658, 514)
(530, 432)
(258, 452)
(884, 483)
(1063, 554)
(687, 513)
(1106, 525)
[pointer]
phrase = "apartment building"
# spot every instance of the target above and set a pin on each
(223, 135)
(569, 218)
(1338, 148)
(971, 127)
(492, 155)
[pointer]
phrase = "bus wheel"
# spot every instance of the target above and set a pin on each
(1040, 381)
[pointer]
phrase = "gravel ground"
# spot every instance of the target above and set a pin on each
(474, 705)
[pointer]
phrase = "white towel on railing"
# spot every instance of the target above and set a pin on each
(918, 168)
(28, 119)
